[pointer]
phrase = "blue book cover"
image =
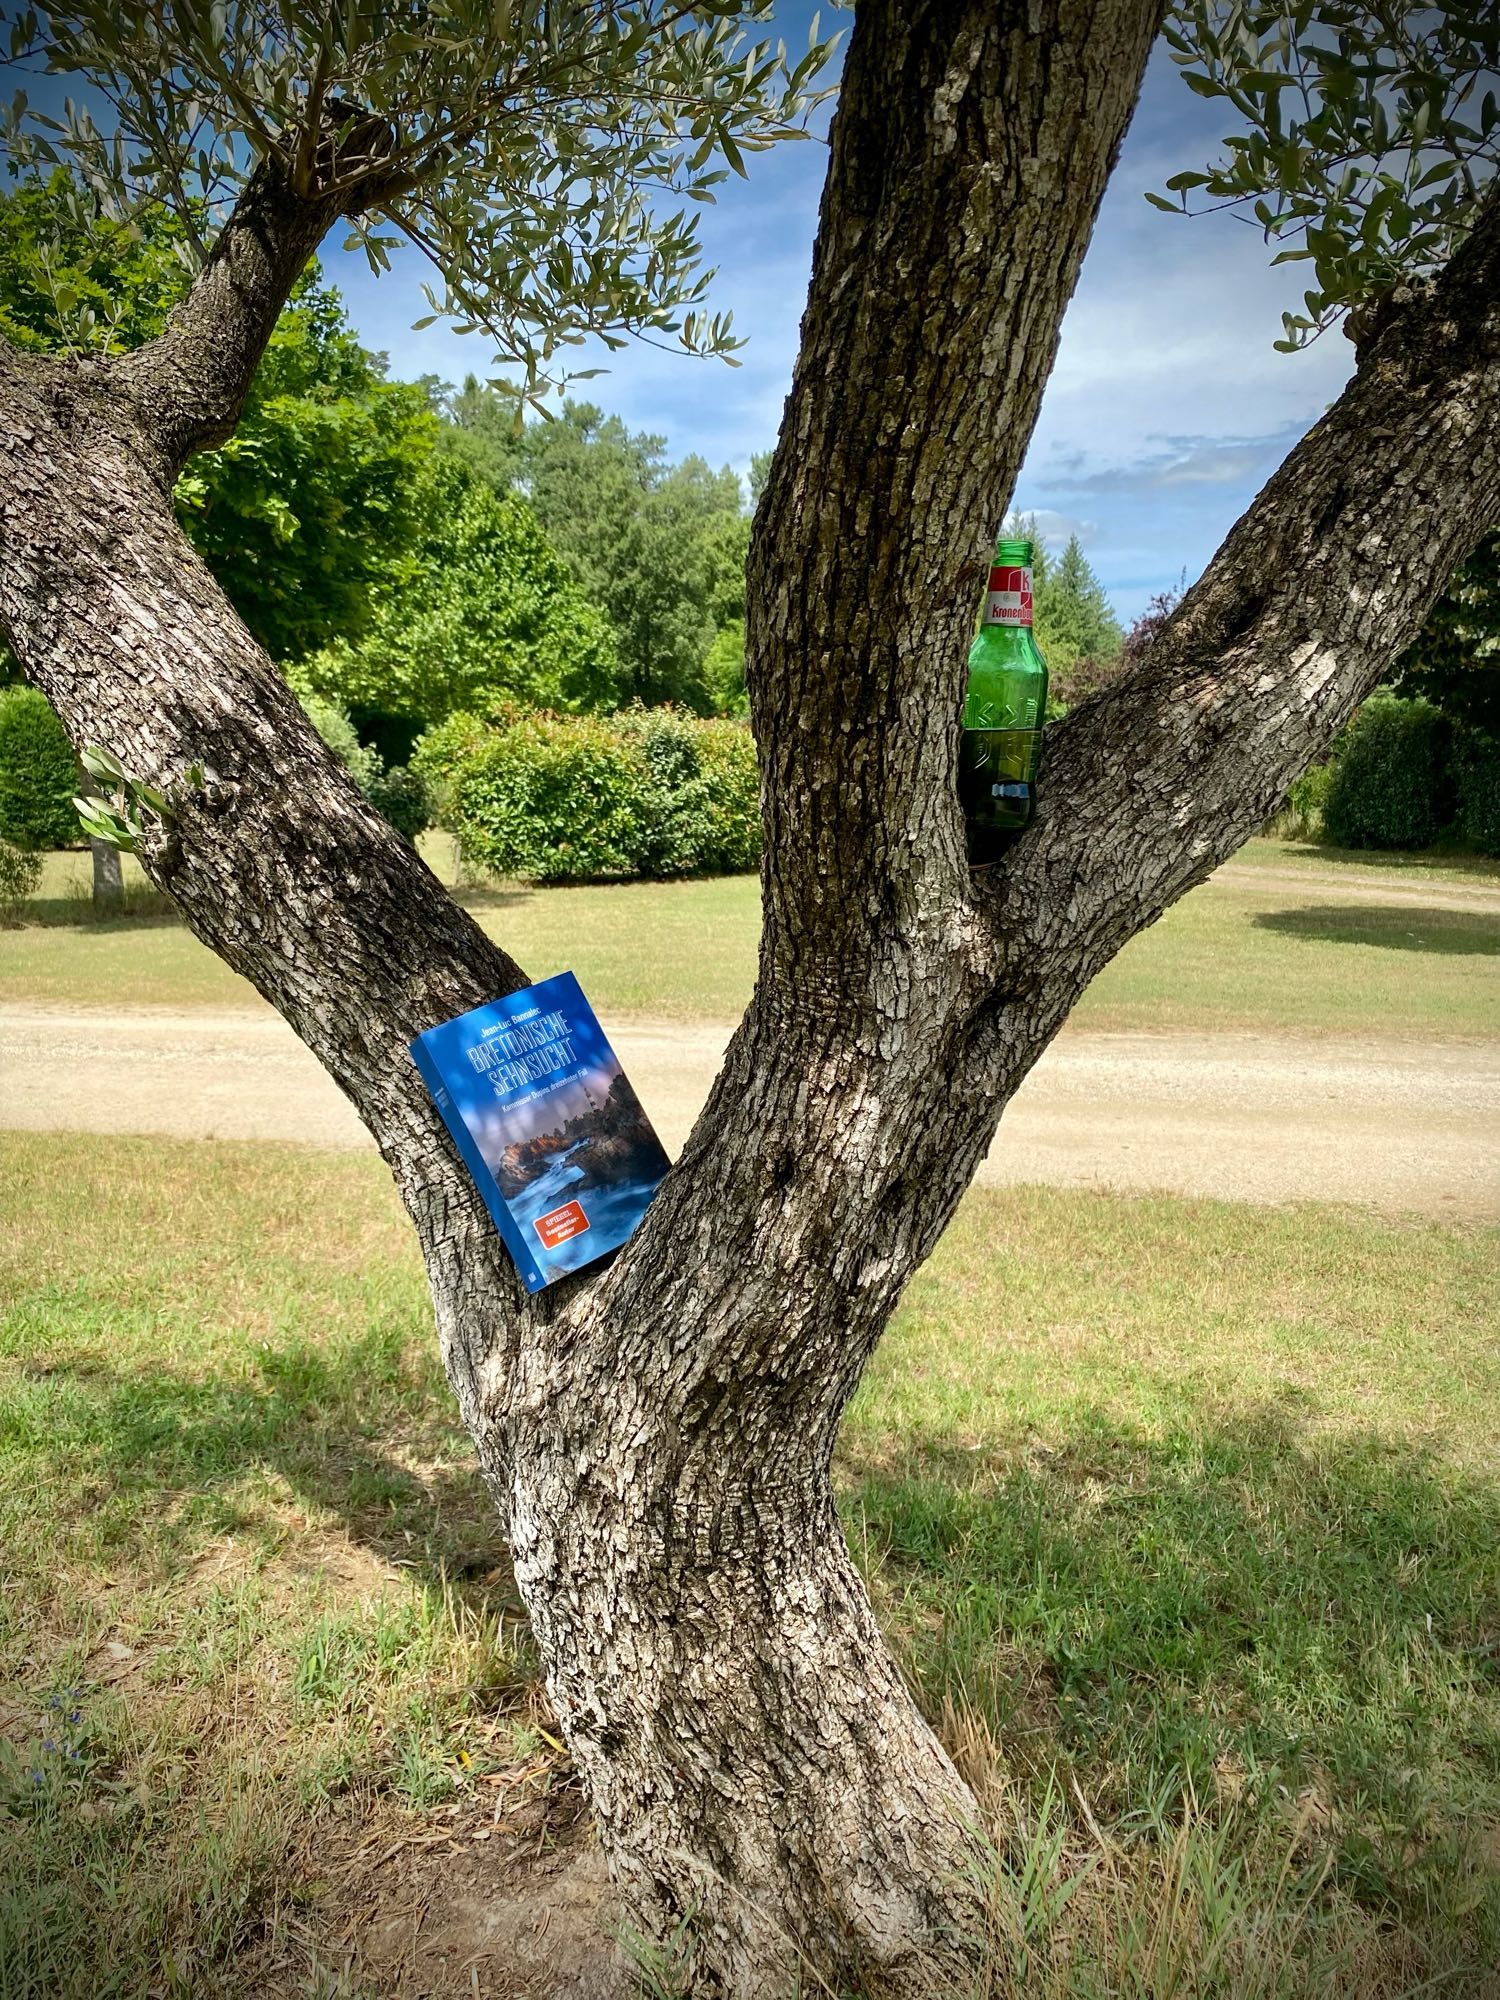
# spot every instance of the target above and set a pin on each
(547, 1123)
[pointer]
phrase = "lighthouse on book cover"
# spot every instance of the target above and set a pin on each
(548, 1123)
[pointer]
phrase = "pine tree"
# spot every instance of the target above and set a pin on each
(1073, 615)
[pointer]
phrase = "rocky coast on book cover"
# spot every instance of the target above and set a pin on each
(548, 1125)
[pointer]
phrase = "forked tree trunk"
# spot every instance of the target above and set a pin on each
(658, 1436)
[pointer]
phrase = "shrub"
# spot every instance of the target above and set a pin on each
(1301, 817)
(20, 872)
(38, 773)
(342, 738)
(550, 799)
(553, 798)
(1391, 786)
(403, 798)
(1476, 777)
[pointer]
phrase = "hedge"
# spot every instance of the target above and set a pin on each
(1392, 785)
(20, 873)
(555, 798)
(38, 773)
(1476, 782)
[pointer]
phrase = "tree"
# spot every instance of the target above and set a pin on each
(311, 501)
(1454, 661)
(660, 548)
(481, 612)
(70, 278)
(321, 492)
(658, 1434)
(1073, 615)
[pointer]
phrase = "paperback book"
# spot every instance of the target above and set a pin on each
(548, 1125)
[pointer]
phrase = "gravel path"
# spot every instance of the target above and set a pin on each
(1395, 1126)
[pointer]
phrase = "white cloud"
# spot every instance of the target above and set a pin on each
(1166, 409)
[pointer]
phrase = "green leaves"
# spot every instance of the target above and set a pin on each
(70, 278)
(119, 815)
(534, 152)
(1368, 136)
(318, 498)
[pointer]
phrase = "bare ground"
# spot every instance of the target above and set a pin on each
(1397, 1126)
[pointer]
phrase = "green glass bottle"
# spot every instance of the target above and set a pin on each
(1003, 710)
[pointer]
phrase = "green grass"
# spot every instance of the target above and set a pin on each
(1292, 950)
(1184, 1516)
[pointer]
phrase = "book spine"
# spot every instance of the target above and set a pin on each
(484, 1180)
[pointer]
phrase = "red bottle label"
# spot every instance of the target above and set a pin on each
(1010, 597)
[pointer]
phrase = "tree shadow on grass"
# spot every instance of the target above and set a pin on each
(144, 910)
(1245, 1608)
(323, 1419)
(1453, 933)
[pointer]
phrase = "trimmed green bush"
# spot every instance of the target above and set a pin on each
(20, 873)
(552, 798)
(1391, 786)
(1476, 779)
(38, 773)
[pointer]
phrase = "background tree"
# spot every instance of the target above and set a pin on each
(313, 498)
(659, 548)
(658, 1434)
(1454, 661)
(1074, 618)
(321, 491)
(478, 613)
(73, 279)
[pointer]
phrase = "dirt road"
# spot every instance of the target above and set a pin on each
(1397, 1127)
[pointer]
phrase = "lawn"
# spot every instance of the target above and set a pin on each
(1184, 1516)
(1285, 938)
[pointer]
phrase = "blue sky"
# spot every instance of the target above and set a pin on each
(1168, 407)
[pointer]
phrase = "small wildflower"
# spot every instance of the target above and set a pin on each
(75, 1715)
(74, 1756)
(49, 1743)
(38, 1777)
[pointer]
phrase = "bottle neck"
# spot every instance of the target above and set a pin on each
(1009, 598)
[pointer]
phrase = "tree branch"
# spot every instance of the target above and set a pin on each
(189, 385)
(276, 861)
(1318, 588)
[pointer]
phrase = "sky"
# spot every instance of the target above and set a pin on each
(1166, 411)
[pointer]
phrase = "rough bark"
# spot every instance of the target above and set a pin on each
(658, 1437)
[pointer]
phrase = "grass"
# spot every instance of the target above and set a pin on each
(1185, 1518)
(1283, 939)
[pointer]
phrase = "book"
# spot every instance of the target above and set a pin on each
(548, 1124)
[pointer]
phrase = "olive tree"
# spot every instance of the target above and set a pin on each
(657, 1433)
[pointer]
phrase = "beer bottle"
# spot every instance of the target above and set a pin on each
(1003, 711)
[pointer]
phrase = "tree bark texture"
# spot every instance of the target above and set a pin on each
(658, 1433)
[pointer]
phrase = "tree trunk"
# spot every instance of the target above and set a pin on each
(658, 1434)
(109, 880)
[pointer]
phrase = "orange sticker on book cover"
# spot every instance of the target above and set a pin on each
(558, 1224)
